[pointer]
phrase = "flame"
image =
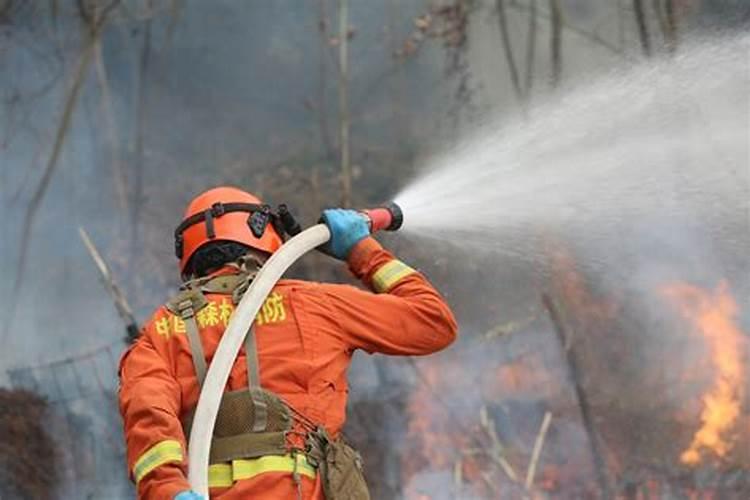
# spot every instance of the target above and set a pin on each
(714, 315)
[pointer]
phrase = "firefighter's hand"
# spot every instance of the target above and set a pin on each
(347, 229)
(189, 495)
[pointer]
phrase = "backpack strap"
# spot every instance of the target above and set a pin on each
(253, 381)
(186, 305)
(194, 338)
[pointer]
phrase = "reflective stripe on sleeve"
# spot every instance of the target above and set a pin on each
(388, 275)
(161, 453)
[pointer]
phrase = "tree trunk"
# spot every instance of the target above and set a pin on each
(564, 336)
(621, 24)
(325, 135)
(140, 134)
(396, 124)
(670, 33)
(530, 51)
(508, 49)
(556, 24)
(640, 20)
(346, 173)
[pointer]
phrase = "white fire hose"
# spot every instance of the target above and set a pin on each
(229, 346)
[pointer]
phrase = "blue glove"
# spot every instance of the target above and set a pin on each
(189, 495)
(347, 228)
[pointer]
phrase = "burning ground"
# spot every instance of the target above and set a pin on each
(589, 395)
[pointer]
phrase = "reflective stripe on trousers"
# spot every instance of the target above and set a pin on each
(225, 475)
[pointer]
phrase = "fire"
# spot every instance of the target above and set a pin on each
(714, 315)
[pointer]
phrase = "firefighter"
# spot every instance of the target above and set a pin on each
(278, 430)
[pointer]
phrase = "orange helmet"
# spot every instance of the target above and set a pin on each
(226, 214)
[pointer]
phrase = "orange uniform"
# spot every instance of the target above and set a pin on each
(305, 334)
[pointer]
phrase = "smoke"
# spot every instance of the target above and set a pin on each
(234, 93)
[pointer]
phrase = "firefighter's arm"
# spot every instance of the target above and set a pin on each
(405, 315)
(149, 402)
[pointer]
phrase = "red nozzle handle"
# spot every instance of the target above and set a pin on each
(388, 218)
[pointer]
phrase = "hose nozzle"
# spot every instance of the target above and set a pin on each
(389, 217)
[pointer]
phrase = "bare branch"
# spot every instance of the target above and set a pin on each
(510, 327)
(107, 111)
(537, 451)
(591, 37)
(497, 452)
(123, 308)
